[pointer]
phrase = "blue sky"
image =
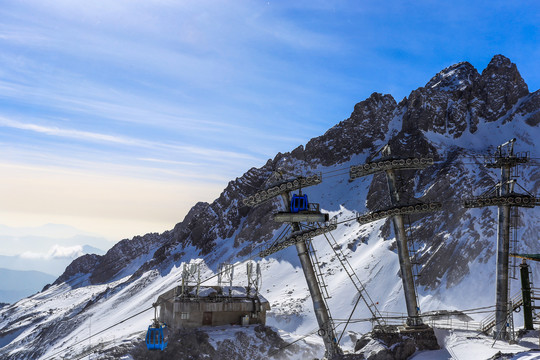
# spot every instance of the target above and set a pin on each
(117, 116)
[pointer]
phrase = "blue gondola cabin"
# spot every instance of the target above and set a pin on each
(299, 203)
(156, 337)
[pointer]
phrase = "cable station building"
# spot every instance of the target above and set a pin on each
(211, 306)
(191, 306)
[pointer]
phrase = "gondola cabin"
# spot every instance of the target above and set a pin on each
(299, 203)
(156, 337)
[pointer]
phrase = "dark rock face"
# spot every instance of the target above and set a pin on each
(457, 98)
(368, 123)
(82, 265)
(500, 86)
(441, 106)
(528, 109)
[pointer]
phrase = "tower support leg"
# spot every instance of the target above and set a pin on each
(406, 272)
(326, 330)
(526, 295)
(403, 254)
(503, 254)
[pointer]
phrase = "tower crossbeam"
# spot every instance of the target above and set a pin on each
(398, 210)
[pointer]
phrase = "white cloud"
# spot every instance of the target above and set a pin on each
(72, 252)
(56, 252)
(69, 133)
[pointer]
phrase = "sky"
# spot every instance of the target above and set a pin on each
(116, 117)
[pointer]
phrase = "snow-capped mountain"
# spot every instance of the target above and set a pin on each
(457, 118)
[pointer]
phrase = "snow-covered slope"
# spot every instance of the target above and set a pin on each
(459, 116)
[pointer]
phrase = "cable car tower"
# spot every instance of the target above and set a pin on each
(390, 164)
(504, 196)
(299, 210)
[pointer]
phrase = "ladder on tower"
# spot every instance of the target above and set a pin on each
(535, 295)
(318, 273)
(360, 288)
(514, 224)
(413, 255)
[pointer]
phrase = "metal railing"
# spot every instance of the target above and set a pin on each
(489, 321)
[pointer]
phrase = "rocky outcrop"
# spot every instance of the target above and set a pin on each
(499, 88)
(442, 105)
(82, 265)
(105, 268)
(368, 124)
(395, 344)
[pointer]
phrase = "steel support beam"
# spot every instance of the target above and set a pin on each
(357, 171)
(398, 210)
(513, 199)
(503, 254)
(282, 188)
(413, 318)
(309, 217)
(526, 295)
(326, 330)
(298, 236)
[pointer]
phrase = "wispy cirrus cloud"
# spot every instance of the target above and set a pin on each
(69, 133)
(122, 140)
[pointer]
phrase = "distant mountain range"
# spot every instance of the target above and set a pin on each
(37, 255)
(15, 285)
(40, 241)
(54, 265)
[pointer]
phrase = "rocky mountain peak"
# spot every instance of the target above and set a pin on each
(455, 77)
(500, 86)
(500, 63)
(458, 99)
